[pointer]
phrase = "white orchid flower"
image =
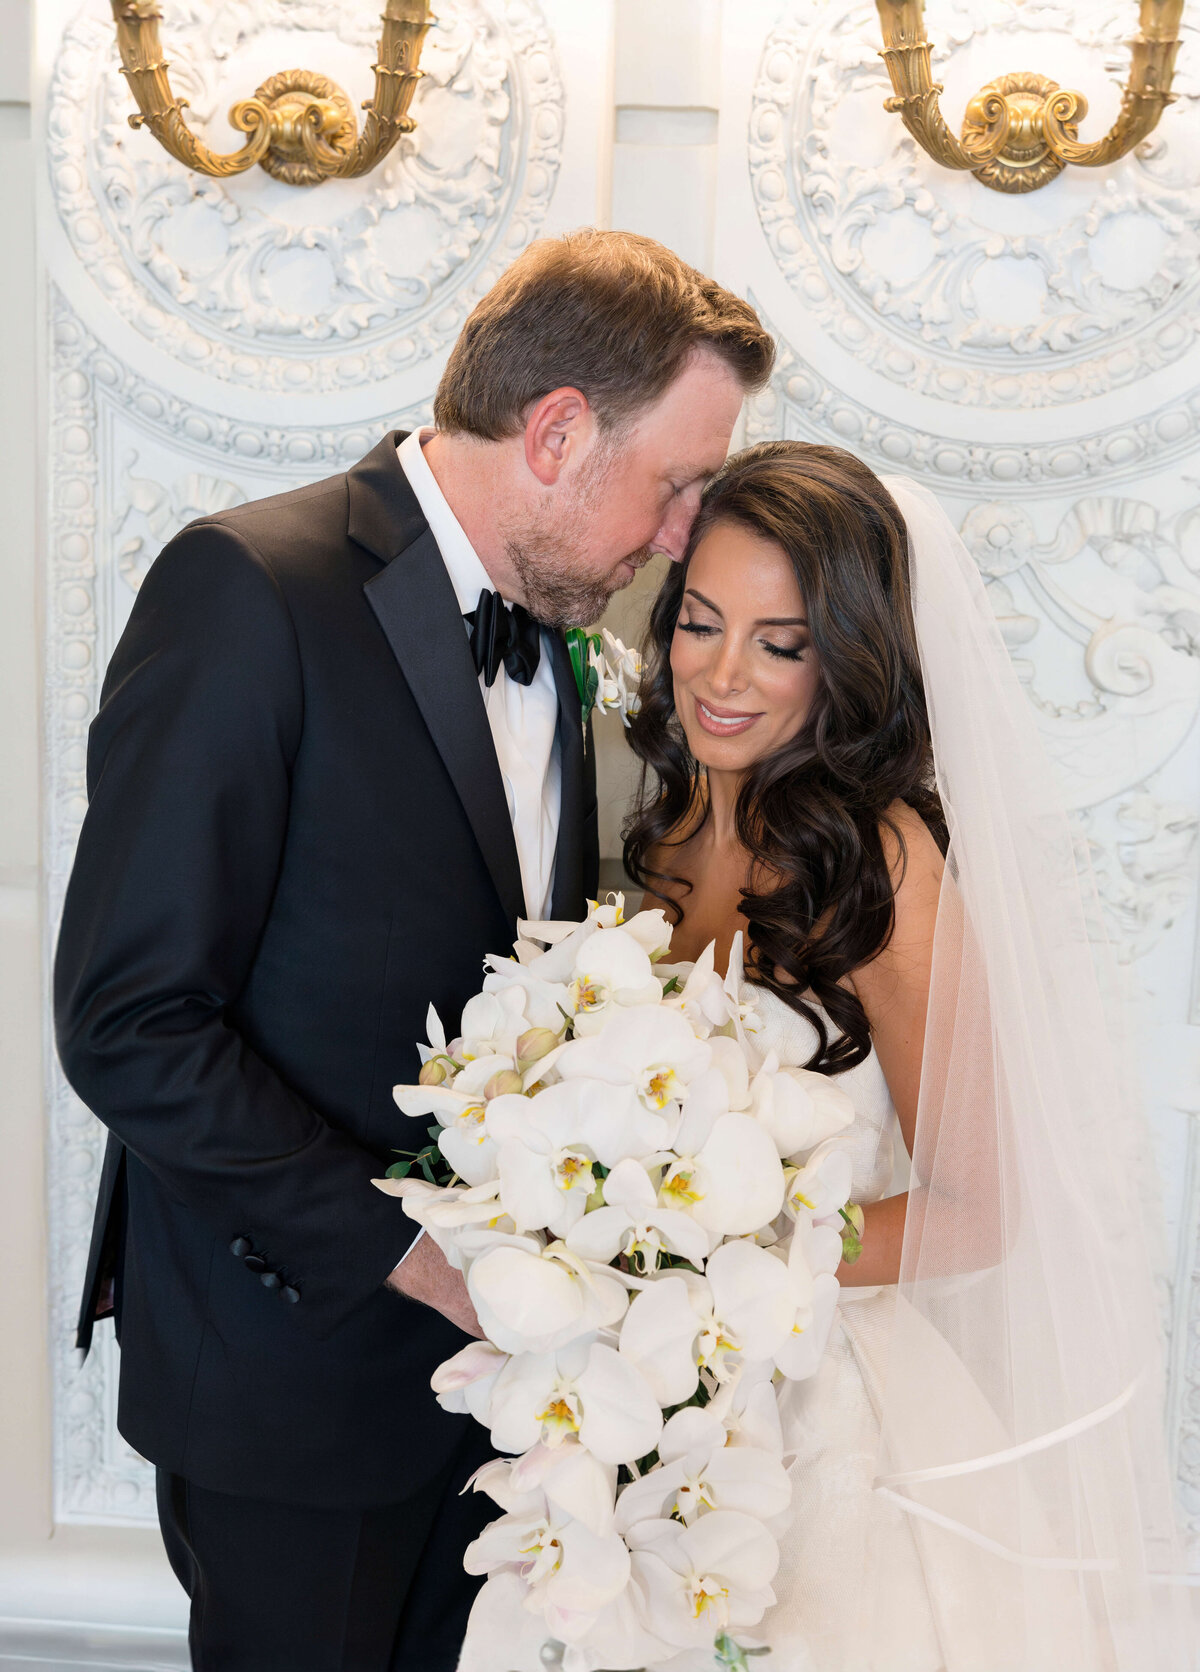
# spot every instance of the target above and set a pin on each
(544, 1002)
(569, 1572)
(463, 1384)
(612, 968)
(822, 1185)
(491, 1024)
(748, 1409)
(534, 1299)
(459, 1109)
(546, 1146)
(800, 1109)
(650, 1048)
(450, 1213)
(633, 1224)
(585, 1390)
(574, 1481)
(812, 1259)
(700, 1471)
(743, 1308)
(726, 1173)
(548, 948)
(711, 1577)
(620, 675)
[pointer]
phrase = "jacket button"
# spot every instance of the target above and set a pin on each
(270, 1280)
(240, 1246)
(290, 1294)
(255, 1262)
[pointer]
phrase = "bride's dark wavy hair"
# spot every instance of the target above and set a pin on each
(820, 897)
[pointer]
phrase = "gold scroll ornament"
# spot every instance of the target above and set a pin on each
(300, 124)
(1021, 130)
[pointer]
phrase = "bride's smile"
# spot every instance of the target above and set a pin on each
(742, 660)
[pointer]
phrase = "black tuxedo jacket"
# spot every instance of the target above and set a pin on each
(297, 839)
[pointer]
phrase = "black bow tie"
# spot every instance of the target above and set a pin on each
(500, 634)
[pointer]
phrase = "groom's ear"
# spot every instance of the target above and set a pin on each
(557, 432)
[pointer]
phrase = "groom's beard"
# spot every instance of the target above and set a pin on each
(547, 559)
(555, 592)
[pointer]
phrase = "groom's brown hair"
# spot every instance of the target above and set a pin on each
(612, 314)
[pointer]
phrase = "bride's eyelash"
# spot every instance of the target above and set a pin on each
(704, 629)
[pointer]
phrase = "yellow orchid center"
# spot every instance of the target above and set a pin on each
(643, 1245)
(574, 1172)
(546, 1552)
(560, 1418)
(678, 1189)
(658, 1087)
(472, 1116)
(710, 1598)
(587, 994)
(694, 1495)
(799, 1199)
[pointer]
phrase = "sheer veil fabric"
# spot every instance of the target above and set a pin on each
(1022, 1394)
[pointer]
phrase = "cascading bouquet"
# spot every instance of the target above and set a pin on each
(649, 1213)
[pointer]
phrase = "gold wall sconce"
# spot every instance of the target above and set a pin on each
(1021, 130)
(300, 124)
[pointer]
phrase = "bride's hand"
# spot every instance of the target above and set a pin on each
(426, 1275)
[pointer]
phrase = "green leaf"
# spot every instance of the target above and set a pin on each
(398, 1170)
(672, 986)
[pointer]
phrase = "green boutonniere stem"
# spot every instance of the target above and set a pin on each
(587, 680)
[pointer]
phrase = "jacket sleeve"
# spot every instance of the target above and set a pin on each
(189, 764)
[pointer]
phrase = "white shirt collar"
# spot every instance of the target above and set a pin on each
(467, 574)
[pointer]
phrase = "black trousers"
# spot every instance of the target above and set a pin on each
(288, 1588)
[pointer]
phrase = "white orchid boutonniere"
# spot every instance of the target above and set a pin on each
(607, 673)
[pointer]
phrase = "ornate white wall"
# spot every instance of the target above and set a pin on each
(1033, 358)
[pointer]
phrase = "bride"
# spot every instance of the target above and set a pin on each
(839, 765)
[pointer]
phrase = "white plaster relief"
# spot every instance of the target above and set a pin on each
(130, 463)
(305, 290)
(927, 277)
(799, 402)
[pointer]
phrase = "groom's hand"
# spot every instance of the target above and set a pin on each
(426, 1275)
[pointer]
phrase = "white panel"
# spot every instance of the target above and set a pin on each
(211, 342)
(1034, 359)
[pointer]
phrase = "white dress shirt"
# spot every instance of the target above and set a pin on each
(523, 718)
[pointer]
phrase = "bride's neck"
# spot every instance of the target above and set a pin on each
(723, 790)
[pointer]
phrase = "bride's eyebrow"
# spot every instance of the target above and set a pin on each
(765, 621)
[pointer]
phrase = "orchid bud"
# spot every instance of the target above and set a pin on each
(856, 1217)
(507, 1083)
(433, 1072)
(533, 1045)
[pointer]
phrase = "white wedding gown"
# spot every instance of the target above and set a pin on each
(841, 1528)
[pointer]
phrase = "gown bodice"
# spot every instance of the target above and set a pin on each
(871, 1140)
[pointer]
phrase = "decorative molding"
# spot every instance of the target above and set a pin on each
(219, 276)
(799, 402)
(108, 517)
(930, 322)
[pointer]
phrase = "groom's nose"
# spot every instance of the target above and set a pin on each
(676, 526)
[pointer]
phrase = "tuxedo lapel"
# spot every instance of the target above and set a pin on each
(568, 857)
(414, 603)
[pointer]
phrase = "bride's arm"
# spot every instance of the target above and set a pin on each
(894, 991)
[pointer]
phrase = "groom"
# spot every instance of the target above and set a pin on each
(339, 752)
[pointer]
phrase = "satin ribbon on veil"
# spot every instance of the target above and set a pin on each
(1021, 1398)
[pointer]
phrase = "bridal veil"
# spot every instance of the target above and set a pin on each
(1023, 1392)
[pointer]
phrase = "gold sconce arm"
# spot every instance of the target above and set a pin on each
(906, 53)
(1146, 95)
(1020, 130)
(301, 126)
